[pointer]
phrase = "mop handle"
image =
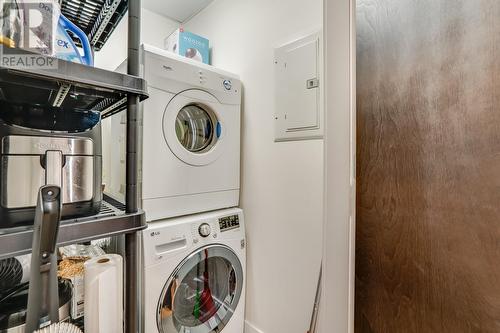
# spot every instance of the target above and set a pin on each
(314, 317)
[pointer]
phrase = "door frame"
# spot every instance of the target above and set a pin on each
(336, 314)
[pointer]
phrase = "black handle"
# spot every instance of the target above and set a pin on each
(51, 202)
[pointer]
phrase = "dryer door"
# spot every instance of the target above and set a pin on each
(202, 293)
(193, 127)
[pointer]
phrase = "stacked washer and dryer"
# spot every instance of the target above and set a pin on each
(194, 247)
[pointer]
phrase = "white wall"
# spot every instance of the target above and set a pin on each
(154, 29)
(337, 305)
(282, 183)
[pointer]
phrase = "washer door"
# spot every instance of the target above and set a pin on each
(193, 128)
(202, 293)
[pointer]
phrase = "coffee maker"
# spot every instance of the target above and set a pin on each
(38, 142)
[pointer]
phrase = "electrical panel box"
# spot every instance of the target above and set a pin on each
(299, 89)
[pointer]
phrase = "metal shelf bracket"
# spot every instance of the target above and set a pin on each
(61, 94)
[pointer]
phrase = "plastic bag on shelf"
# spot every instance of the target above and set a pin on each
(30, 25)
(38, 26)
(78, 251)
(10, 23)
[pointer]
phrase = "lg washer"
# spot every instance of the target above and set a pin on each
(194, 274)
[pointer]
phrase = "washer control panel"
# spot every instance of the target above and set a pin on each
(164, 240)
(204, 230)
(227, 223)
(217, 227)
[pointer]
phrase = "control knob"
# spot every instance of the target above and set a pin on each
(204, 230)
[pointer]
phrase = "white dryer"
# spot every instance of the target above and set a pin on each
(190, 135)
(194, 274)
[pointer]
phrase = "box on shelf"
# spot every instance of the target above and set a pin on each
(189, 45)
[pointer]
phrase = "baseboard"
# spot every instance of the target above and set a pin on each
(249, 328)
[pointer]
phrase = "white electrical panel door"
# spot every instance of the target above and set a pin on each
(298, 89)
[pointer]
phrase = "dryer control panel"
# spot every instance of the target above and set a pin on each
(170, 72)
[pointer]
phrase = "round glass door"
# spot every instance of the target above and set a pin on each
(196, 128)
(203, 292)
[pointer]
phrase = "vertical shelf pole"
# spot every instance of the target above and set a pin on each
(133, 303)
(132, 241)
(133, 68)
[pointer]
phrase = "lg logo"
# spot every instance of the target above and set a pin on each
(155, 233)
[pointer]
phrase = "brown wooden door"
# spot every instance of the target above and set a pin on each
(428, 173)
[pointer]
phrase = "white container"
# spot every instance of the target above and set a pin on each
(104, 294)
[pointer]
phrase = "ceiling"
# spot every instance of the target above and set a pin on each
(177, 10)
